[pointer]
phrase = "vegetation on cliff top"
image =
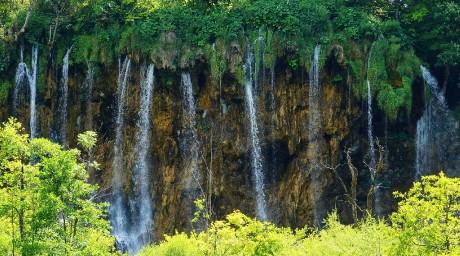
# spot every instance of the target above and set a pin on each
(178, 33)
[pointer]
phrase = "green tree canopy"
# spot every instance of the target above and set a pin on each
(45, 201)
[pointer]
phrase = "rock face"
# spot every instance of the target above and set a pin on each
(224, 150)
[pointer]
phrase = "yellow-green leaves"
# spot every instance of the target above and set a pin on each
(87, 139)
(428, 219)
(46, 200)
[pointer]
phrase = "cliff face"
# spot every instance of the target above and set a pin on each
(225, 145)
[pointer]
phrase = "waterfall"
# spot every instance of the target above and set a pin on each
(23, 75)
(256, 152)
(88, 93)
(63, 100)
(190, 138)
(259, 45)
(370, 136)
(274, 153)
(142, 200)
(437, 141)
(33, 92)
(314, 136)
(117, 211)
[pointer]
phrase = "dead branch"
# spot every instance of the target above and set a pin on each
(23, 29)
(354, 184)
(375, 171)
(351, 197)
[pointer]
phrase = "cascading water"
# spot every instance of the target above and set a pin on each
(190, 139)
(190, 149)
(274, 153)
(259, 45)
(88, 87)
(370, 136)
(63, 100)
(437, 141)
(314, 127)
(23, 75)
(141, 203)
(256, 153)
(33, 92)
(117, 212)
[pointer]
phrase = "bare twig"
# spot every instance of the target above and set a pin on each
(375, 171)
(23, 28)
(350, 195)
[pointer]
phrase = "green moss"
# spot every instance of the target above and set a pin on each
(85, 49)
(239, 75)
(391, 73)
(270, 49)
(4, 89)
(217, 60)
(337, 79)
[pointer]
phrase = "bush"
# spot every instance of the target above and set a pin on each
(428, 219)
(426, 223)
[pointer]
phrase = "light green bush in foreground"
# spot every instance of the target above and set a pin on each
(427, 223)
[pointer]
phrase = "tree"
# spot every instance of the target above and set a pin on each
(10, 11)
(428, 218)
(46, 199)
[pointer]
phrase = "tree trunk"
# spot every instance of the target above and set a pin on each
(21, 210)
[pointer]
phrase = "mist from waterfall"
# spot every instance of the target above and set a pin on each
(141, 200)
(117, 211)
(437, 142)
(314, 137)
(256, 152)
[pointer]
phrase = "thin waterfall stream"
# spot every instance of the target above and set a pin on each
(141, 201)
(274, 153)
(88, 93)
(256, 152)
(64, 99)
(33, 92)
(190, 146)
(314, 137)
(370, 136)
(23, 76)
(117, 212)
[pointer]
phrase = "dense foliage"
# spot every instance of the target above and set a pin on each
(178, 33)
(46, 205)
(427, 223)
